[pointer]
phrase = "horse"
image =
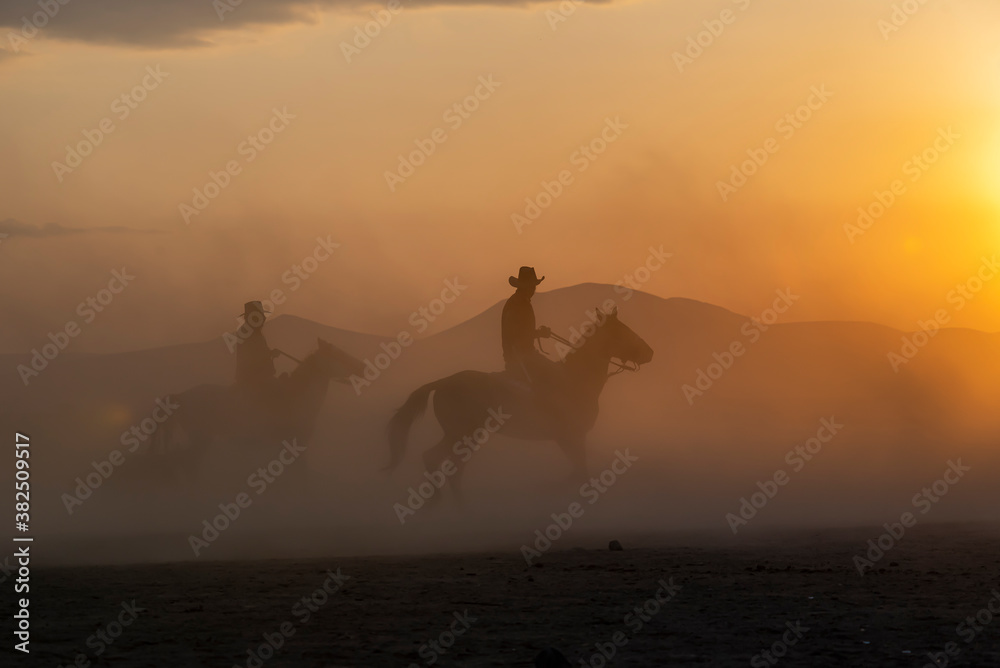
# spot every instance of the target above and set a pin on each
(466, 402)
(208, 413)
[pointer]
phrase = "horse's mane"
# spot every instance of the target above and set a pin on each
(308, 366)
(576, 349)
(311, 364)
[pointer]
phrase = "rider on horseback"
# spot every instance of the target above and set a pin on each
(518, 333)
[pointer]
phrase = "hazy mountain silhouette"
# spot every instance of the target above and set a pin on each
(698, 457)
(78, 379)
(791, 376)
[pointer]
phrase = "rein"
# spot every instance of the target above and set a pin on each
(294, 359)
(627, 366)
(299, 362)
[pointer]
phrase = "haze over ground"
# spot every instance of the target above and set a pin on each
(886, 435)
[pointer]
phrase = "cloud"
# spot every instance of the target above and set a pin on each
(177, 23)
(11, 228)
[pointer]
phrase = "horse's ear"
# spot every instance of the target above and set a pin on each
(614, 311)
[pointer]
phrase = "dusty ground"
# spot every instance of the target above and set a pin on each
(733, 603)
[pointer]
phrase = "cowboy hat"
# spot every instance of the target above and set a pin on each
(253, 307)
(525, 276)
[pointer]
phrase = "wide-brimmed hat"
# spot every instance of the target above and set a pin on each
(253, 307)
(525, 276)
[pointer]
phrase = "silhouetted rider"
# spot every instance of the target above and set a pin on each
(254, 358)
(518, 331)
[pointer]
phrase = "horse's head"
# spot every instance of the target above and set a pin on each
(622, 343)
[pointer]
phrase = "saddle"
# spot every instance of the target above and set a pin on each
(548, 399)
(514, 383)
(262, 406)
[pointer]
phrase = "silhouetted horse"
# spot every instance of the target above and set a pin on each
(208, 413)
(563, 413)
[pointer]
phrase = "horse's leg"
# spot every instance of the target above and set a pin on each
(434, 457)
(185, 457)
(451, 411)
(165, 448)
(454, 481)
(184, 472)
(303, 437)
(575, 449)
(189, 460)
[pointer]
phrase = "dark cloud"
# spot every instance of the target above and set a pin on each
(11, 228)
(176, 23)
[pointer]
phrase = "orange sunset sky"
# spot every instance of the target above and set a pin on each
(682, 125)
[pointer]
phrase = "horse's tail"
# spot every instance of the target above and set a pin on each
(403, 419)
